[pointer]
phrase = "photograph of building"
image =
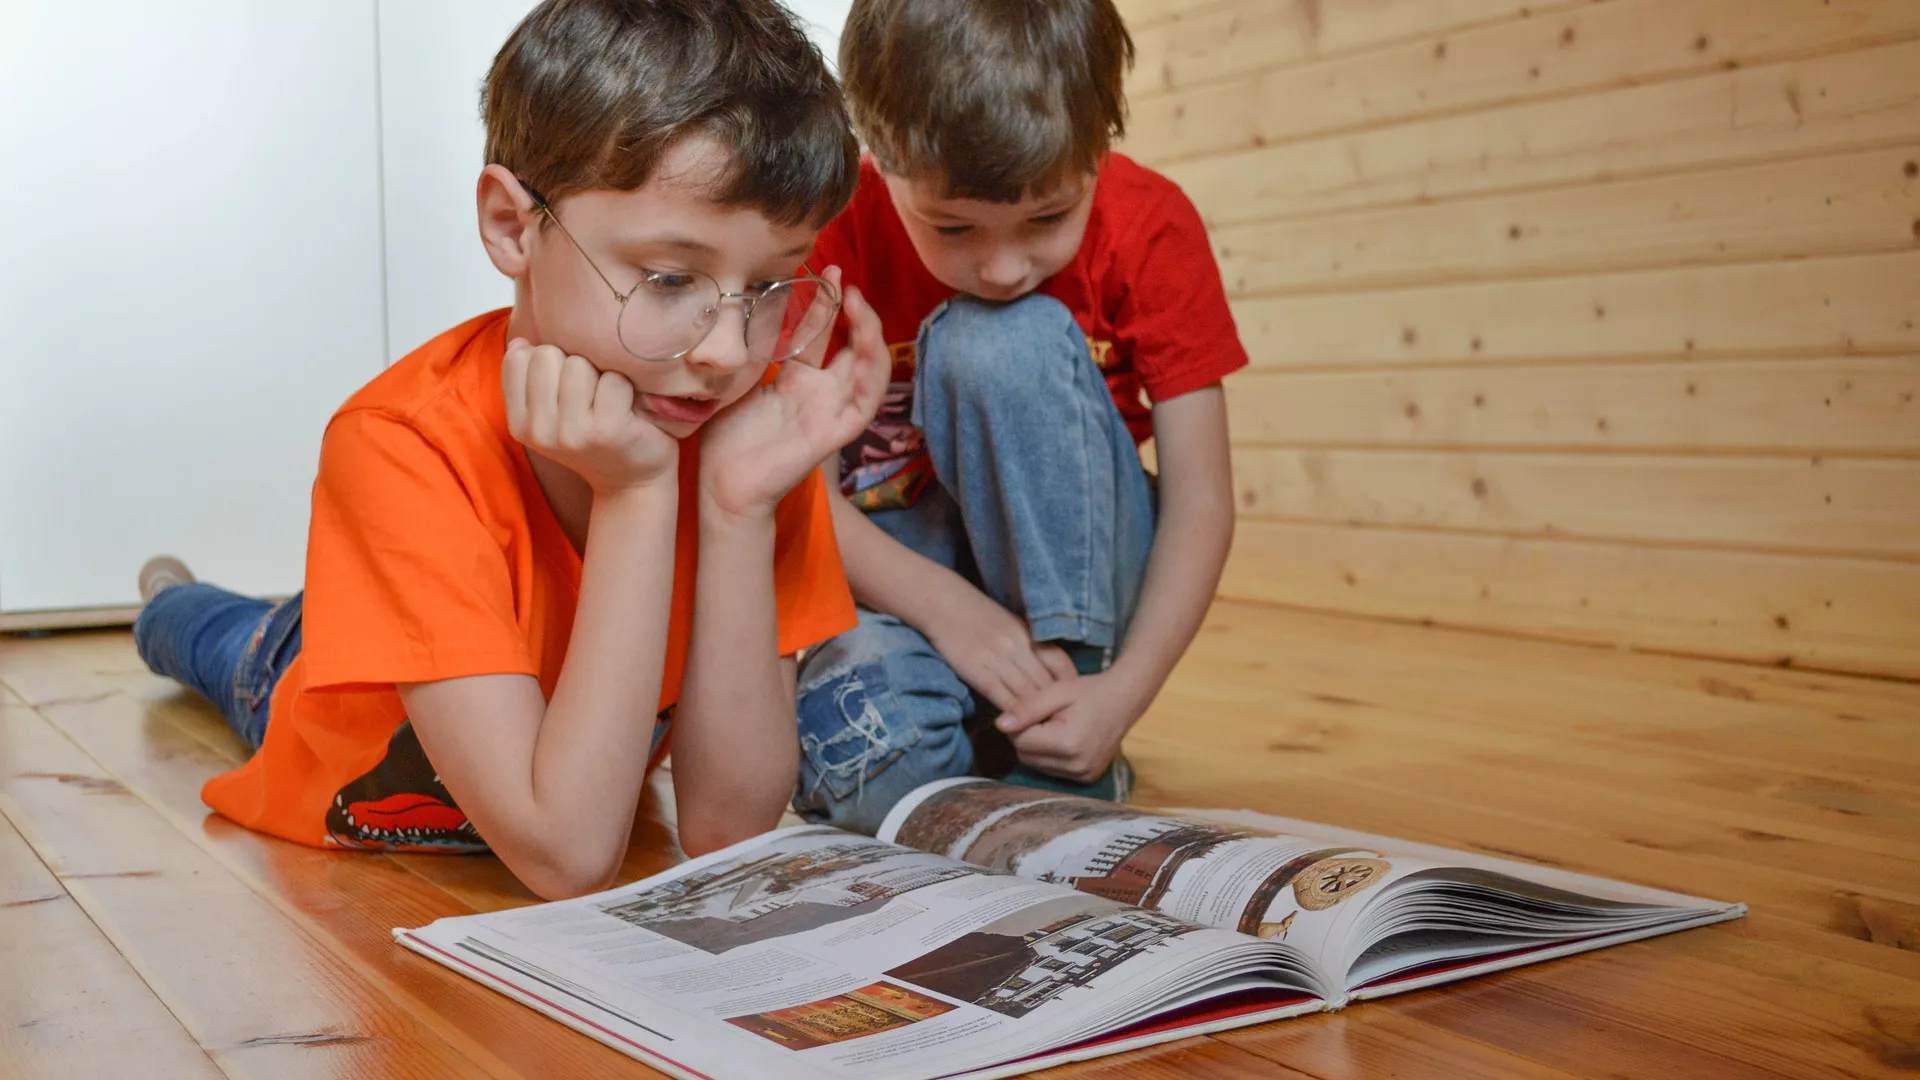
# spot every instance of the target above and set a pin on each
(1019, 963)
(852, 1015)
(808, 885)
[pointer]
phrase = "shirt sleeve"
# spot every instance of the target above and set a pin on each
(404, 582)
(812, 600)
(1173, 314)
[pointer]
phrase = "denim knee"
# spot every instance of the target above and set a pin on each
(880, 713)
(1001, 353)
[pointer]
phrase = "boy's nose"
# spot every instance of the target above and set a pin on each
(1004, 271)
(725, 346)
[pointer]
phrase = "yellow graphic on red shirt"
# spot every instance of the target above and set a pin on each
(887, 467)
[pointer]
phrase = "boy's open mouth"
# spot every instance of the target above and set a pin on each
(686, 410)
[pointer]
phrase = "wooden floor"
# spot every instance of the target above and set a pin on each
(141, 937)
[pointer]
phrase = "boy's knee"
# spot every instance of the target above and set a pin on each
(879, 714)
(978, 350)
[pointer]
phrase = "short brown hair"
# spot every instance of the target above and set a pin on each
(589, 94)
(999, 98)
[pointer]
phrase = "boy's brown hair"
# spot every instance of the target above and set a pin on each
(589, 94)
(999, 98)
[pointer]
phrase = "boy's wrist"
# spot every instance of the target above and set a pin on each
(1137, 679)
(717, 514)
(639, 500)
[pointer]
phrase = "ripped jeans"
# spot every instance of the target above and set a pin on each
(1040, 501)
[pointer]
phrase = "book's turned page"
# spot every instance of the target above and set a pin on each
(813, 952)
(1376, 915)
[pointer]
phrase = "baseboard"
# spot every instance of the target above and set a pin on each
(67, 619)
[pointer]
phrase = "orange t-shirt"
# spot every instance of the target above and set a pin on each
(433, 555)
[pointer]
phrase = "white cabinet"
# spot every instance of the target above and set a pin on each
(190, 284)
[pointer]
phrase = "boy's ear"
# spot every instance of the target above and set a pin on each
(507, 220)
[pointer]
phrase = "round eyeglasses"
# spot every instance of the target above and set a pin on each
(668, 313)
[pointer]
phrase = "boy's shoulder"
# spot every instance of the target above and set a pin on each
(437, 410)
(1133, 202)
(447, 364)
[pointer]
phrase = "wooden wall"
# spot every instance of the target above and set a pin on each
(1583, 320)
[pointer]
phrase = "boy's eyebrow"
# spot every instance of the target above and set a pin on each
(701, 247)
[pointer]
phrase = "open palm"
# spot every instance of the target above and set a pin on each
(755, 451)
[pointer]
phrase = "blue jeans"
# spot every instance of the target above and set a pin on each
(231, 648)
(1041, 502)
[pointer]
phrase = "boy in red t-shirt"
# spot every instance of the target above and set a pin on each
(1018, 578)
(551, 524)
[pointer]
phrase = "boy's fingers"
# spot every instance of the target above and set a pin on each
(513, 385)
(996, 692)
(1056, 660)
(1035, 708)
(1033, 673)
(543, 393)
(578, 380)
(612, 400)
(1041, 744)
(868, 369)
(816, 325)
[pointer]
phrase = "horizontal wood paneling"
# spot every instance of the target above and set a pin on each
(1822, 612)
(1179, 44)
(1799, 108)
(1589, 48)
(1825, 406)
(1596, 321)
(1841, 305)
(1813, 505)
(1844, 204)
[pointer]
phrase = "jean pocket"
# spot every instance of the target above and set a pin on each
(851, 728)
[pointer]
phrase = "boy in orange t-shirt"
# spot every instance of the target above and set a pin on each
(553, 530)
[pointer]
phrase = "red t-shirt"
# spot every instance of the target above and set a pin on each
(1144, 288)
(433, 554)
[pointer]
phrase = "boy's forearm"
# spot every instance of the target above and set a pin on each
(1190, 542)
(735, 741)
(886, 575)
(1189, 551)
(590, 755)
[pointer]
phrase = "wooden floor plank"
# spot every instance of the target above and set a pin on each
(1795, 792)
(348, 901)
(70, 1006)
(261, 997)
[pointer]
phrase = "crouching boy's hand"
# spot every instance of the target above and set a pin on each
(1073, 728)
(758, 448)
(571, 412)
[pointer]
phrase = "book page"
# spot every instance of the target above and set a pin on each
(814, 952)
(1336, 894)
(1273, 887)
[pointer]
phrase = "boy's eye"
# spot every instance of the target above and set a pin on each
(669, 282)
(953, 230)
(1049, 219)
(759, 288)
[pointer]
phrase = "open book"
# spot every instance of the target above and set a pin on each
(991, 930)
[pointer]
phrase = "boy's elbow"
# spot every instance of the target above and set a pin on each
(707, 833)
(567, 877)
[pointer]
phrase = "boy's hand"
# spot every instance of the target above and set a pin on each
(1073, 728)
(759, 447)
(583, 418)
(992, 649)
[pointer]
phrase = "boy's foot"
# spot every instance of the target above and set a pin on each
(1115, 785)
(161, 573)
